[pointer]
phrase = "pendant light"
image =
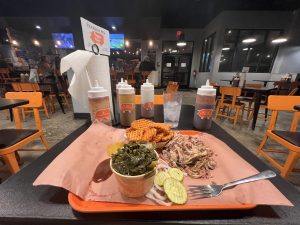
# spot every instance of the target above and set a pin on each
(181, 42)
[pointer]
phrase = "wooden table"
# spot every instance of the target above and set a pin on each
(266, 81)
(10, 104)
(230, 81)
(21, 203)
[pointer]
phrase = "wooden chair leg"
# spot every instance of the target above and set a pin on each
(7, 114)
(217, 111)
(66, 100)
(12, 163)
(23, 114)
(44, 141)
(45, 108)
(263, 142)
(249, 108)
(236, 117)
(290, 163)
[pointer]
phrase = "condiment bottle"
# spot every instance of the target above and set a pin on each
(99, 104)
(118, 86)
(205, 102)
(126, 105)
(147, 100)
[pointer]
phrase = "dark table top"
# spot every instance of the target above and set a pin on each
(261, 89)
(297, 107)
(11, 103)
(266, 80)
(21, 203)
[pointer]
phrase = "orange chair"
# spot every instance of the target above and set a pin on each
(33, 87)
(289, 139)
(224, 103)
(11, 140)
(158, 99)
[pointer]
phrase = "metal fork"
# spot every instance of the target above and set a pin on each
(208, 191)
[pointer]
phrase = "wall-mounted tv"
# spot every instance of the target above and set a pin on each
(116, 41)
(63, 40)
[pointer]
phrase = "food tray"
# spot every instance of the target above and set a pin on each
(106, 207)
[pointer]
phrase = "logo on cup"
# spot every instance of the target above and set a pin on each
(126, 107)
(97, 38)
(205, 113)
(148, 106)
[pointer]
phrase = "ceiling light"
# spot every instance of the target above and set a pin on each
(279, 40)
(268, 56)
(14, 42)
(36, 43)
(245, 49)
(137, 52)
(174, 50)
(181, 43)
(225, 49)
(58, 43)
(38, 27)
(118, 53)
(205, 40)
(257, 54)
(113, 27)
(7, 40)
(249, 40)
(229, 32)
(127, 43)
(55, 46)
(150, 43)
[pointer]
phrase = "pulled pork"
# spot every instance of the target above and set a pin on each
(189, 154)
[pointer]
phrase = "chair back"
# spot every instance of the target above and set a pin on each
(158, 99)
(233, 92)
(16, 86)
(26, 86)
(254, 85)
(278, 103)
(172, 86)
(35, 102)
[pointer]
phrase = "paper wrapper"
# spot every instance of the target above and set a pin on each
(74, 168)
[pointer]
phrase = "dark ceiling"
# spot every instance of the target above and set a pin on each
(142, 17)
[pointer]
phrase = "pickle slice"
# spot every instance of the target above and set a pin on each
(175, 191)
(160, 178)
(176, 174)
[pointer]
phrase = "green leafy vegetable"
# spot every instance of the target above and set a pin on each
(135, 158)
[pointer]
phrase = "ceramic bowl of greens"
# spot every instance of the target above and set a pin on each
(134, 166)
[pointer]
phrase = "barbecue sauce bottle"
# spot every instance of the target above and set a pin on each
(127, 105)
(99, 104)
(205, 103)
(147, 100)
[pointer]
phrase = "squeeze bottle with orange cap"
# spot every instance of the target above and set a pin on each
(99, 104)
(147, 100)
(205, 103)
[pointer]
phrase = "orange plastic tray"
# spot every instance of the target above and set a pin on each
(105, 207)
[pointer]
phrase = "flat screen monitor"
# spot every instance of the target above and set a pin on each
(116, 41)
(63, 40)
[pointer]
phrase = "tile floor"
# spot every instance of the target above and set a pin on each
(60, 125)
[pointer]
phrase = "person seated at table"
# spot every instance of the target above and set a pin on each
(44, 69)
(145, 65)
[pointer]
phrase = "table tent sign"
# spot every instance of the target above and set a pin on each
(95, 35)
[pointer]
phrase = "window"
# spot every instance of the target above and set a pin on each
(249, 48)
(206, 53)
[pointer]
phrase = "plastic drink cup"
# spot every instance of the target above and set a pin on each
(172, 107)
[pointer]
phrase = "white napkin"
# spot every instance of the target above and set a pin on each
(83, 62)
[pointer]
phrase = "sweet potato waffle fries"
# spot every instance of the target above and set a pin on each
(146, 130)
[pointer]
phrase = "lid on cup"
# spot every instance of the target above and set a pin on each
(147, 86)
(97, 91)
(126, 89)
(206, 89)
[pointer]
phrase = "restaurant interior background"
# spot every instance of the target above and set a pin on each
(214, 31)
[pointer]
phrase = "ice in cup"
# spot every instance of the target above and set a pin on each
(172, 107)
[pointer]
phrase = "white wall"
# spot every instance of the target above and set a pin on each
(246, 20)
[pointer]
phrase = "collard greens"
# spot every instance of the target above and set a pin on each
(135, 158)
